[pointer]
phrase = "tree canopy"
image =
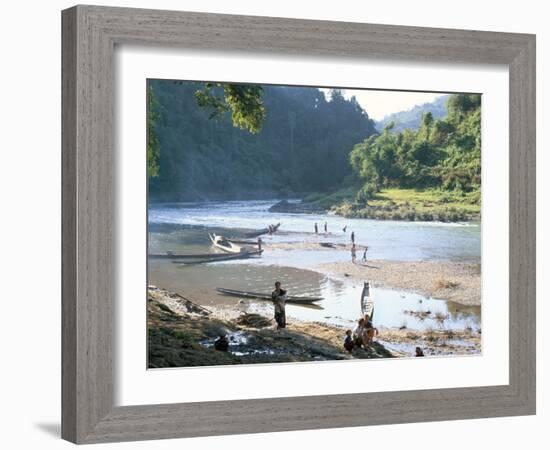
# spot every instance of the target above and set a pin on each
(230, 141)
(243, 101)
(443, 153)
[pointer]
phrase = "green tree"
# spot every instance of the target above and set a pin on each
(444, 153)
(303, 144)
(243, 101)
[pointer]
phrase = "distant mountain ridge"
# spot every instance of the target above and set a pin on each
(411, 118)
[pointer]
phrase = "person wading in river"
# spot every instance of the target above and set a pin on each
(279, 298)
(316, 228)
(353, 237)
(259, 244)
(326, 228)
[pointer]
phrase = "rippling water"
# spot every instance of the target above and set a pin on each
(397, 240)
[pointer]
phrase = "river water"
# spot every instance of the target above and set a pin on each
(294, 250)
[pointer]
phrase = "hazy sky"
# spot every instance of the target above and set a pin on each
(379, 104)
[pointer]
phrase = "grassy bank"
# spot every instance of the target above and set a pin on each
(403, 204)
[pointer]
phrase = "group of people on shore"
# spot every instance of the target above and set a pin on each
(353, 245)
(362, 336)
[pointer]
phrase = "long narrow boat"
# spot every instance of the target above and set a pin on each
(223, 244)
(200, 256)
(226, 257)
(257, 233)
(170, 255)
(260, 296)
(243, 241)
(367, 301)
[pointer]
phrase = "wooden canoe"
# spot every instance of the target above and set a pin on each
(260, 296)
(257, 233)
(223, 244)
(367, 301)
(203, 256)
(225, 257)
(243, 241)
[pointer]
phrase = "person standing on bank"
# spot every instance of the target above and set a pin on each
(353, 253)
(365, 254)
(279, 299)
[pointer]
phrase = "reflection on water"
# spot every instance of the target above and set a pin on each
(341, 305)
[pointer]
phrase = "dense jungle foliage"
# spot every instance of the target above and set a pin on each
(444, 154)
(221, 141)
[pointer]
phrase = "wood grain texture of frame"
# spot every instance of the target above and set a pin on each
(90, 34)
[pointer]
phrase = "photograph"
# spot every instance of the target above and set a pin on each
(290, 224)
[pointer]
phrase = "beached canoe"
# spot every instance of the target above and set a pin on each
(252, 242)
(223, 244)
(260, 296)
(257, 233)
(367, 301)
(204, 257)
(226, 257)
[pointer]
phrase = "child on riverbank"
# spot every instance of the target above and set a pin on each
(348, 341)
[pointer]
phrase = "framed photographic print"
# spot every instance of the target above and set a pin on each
(265, 229)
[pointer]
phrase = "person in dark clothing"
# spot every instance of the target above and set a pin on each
(279, 299)
(353, 253)
(349, 344)
(353, 237)
(316, 228)
(345, 228)
(418, 352)
(259, 244)
(326, 228)
(365, 254)
(221, 344)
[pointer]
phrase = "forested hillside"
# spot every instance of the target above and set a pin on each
(302, 146)
(443, 153)
(412, 118)
(433, 173)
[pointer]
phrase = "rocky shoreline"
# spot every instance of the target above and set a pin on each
(182, 333)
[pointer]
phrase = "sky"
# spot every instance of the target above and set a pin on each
(379, 104)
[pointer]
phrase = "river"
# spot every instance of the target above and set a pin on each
(292, 254)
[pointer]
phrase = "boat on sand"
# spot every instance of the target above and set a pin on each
(224, 244)
(257, 233)
(367, 301)
(203, 257)
(224, 257)
(262, 296)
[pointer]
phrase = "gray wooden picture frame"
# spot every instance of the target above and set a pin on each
(90, 34)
